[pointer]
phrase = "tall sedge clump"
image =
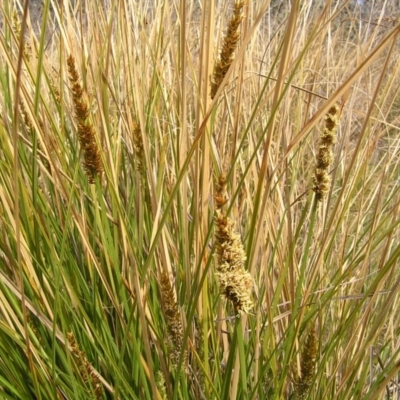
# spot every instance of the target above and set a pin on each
(307, 364)
(173, 320)
(230, 42)
(86, 370)
(322, 181)
(235, 282)
(86, 132)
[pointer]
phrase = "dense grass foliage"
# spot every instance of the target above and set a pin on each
(199, 200)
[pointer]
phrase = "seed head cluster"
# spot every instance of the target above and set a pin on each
(230, 42)
(160, 383)
(86, 132)
(17, 30)
(138, 147)
(173, 320)
(236, 283)
(321, 180)
(87, 372)
(307, 363)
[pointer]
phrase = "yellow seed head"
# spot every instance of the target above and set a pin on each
(235, 282)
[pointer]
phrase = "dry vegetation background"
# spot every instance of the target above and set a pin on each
(199, 200)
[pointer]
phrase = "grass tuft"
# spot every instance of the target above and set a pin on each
(200, 265)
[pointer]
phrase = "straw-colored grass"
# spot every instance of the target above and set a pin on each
(162, 243)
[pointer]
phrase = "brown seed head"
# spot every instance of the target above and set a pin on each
(87, 372)
(321, 179)
(230, 42)
(235, 282)
(86, 133)
(172, 318)
(308, 357)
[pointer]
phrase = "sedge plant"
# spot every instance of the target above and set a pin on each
(199, 200)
